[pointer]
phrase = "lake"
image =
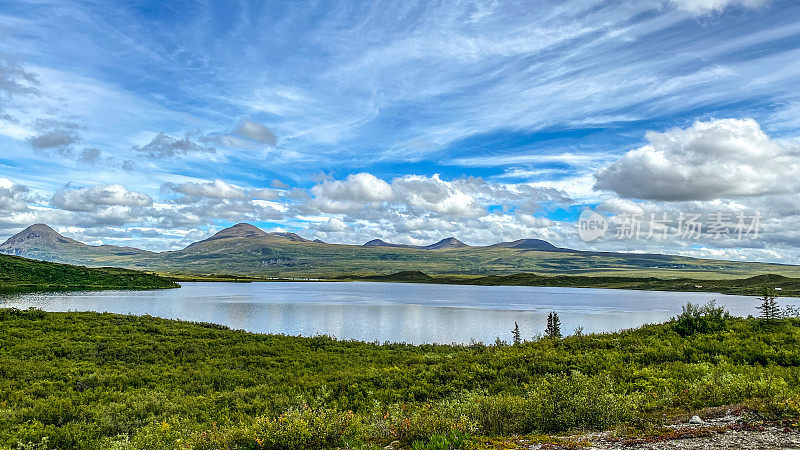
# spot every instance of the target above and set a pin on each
(397, 312)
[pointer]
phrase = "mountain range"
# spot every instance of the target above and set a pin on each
(244, 249)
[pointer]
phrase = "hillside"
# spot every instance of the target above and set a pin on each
(788, 287)
(246, 250)
(18, 273)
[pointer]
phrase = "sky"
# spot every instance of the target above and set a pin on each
(157, 123)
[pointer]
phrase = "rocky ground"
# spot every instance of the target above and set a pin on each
(726, 430)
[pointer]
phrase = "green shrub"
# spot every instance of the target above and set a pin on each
(561, 403)
(296, 429)
(696, 319)
(725, 385)
(500, 414)
(407, 423)
(452, 441)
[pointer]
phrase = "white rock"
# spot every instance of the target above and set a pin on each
(695, 420)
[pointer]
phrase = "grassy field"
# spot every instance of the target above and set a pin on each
(21, 274)
(89, 380)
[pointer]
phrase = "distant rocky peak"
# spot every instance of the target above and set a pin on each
(239, 230)
(450, 242)
(38, 236)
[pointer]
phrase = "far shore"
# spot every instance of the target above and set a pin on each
(755, 285)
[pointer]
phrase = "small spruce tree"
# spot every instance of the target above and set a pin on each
(769, 307)
(516, 334)
(553, 329)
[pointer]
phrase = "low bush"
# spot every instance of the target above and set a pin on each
(296, 429)
(696, 319)
(561, 403)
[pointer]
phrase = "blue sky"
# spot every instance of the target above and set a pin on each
(156, 123)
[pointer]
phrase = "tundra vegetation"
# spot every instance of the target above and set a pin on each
(91, 380)
(22, 274)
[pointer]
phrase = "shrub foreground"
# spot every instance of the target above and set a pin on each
(89, 380)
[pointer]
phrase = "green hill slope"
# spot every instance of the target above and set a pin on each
(18, 273)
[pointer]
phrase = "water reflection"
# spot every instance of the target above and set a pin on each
(396, 312)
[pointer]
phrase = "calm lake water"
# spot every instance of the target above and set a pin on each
(397, 312)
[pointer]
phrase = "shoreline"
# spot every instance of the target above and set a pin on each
(749, 286)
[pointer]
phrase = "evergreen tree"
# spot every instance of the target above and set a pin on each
(553, 325)
(769, 307)
(517, 336)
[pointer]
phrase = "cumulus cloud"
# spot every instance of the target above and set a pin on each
(95, 206)
(247, 135)
(360, 194)
(435, 194)
(58, 138)
(334, 225)
(256, 132)
(702, 7)
(164, 146)
(13, 197)
(360, 187)
(212, 189)
(90, 155)
(218, 189)
(419, 209)
(200, 203)
(724, 158)
(54, 134)
(98, 197)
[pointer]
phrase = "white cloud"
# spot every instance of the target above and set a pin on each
(420, 209)
(213, 189)
(256, 132)
(54, 134)
(56, 138)
(248, 135)
(528, 158)
(334, 225)
(724, 158)
(166, 146)
(14, 198)
(437, 195)
(702, 7)
(360, 187)
(364, 195)
(101, 196)
(201, 203)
